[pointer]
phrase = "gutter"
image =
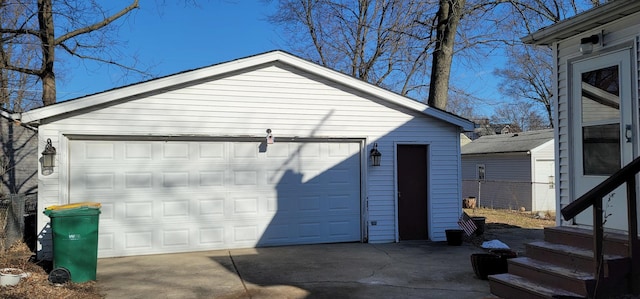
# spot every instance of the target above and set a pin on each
(16, 117)
(583, 22)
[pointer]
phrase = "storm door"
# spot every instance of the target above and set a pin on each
(602, 130)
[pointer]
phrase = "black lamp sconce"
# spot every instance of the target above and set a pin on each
(48, 157)
(375, 155)
(586, 43)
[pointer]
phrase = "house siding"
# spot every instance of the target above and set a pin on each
(618, 32)
(293, 104)
(504, 187)
(19, 160)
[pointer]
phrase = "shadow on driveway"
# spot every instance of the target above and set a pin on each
(417, 269)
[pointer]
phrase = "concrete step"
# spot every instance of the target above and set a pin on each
(578, 282)
(576, 258)
(614, 243)
(512, 286)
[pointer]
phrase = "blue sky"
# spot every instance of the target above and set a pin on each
(171, 38)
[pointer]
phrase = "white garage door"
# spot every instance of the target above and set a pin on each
(177, 196)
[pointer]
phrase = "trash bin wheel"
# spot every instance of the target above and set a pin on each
(59, 275)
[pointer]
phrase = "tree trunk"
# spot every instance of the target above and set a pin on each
(449, 15)
(4, 81)
(47, 37)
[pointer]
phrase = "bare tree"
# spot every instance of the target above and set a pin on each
(16, 89)
(463, 104)
(527, 76)
(383, 42)
(83, 27)
(520, 115)
(450, 12)
(409, 46)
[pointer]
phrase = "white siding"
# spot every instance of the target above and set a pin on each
(291, 104)
(507, 183)
(621, 31)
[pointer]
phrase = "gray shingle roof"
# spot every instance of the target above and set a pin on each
(508, 143)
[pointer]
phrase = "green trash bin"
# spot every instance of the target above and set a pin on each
(75, 240)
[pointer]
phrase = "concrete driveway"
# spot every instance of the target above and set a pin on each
(350, 270)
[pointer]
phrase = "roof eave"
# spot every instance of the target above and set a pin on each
(583, 22)
(493, 153)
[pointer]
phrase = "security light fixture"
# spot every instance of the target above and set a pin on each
(269, 137)
(586, 43)
(375, 155)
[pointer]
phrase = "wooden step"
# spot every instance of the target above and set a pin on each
(512, 286)
(614, 243)
(578, 282)
(576, 258)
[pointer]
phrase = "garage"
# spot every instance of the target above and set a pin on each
(174, 196)
(266, 150)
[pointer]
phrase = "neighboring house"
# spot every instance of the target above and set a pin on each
(511, 171)
(595, 102)
(19, 159)
(261, 151)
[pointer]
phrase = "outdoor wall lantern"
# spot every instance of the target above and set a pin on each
(375, 155)
(586, 44)
(49, 156)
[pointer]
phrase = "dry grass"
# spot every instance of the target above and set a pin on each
(37, 285)
(510, 218)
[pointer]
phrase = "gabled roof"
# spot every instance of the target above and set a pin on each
(9, 116)
(134, 90)
(508, 143)
(4, 113)
(585, 21)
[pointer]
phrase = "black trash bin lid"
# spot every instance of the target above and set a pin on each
(59, 275)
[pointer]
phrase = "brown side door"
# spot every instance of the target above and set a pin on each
(412, 192)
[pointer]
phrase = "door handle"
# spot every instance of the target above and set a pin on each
(399, 194)
(628, 133)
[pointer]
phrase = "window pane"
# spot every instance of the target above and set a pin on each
(601, 149)
(480, 173)
(600, 94)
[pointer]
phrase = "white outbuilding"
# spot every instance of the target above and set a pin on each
(511, 171)
(261, 151)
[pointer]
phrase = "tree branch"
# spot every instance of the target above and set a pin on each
(73, 52)
(96, 26)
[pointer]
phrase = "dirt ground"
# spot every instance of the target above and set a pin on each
(36, 285)
(513, 219)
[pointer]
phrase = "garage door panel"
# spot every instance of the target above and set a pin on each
(106, 243)
(176, 208)
(175, 179)
(211, 178)
(243, 151)
(175, 151)
(134, 151)
(175, 238)
(211, 237)
(98, 151)
(137, 180)
(212, 151)
(160, 197)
